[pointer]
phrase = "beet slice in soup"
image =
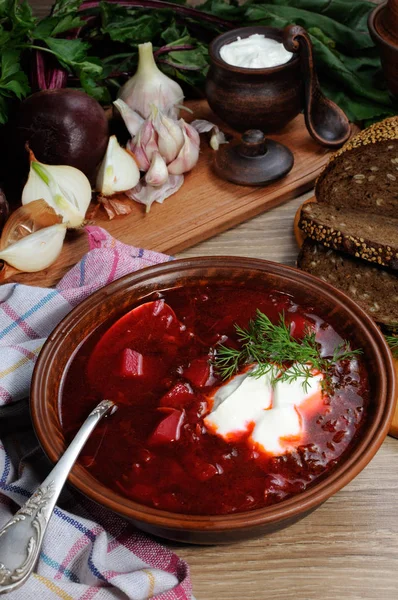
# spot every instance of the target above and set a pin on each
(140, 344)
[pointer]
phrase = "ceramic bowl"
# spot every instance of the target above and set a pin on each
(114, 299)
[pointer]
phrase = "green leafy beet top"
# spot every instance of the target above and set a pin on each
(96, 44)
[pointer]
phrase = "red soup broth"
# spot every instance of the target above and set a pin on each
(155, 362)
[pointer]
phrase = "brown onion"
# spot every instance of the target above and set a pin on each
(62, 127)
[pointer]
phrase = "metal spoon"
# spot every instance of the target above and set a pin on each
(21, 538)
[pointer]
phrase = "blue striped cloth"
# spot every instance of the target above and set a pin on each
(88, 552)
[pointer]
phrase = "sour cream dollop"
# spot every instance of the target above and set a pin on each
(255, 52)
(275, 415)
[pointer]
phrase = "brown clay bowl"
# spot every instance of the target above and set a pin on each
(118, 297)
(383, 28)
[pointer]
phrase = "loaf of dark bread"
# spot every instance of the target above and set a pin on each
(375, 289)
(373, 238)
(363, 174)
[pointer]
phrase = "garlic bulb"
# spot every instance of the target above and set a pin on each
(131, 118)
(189, 153)
(36, 251)
(150, 86)
(118, 171)
(66, 189)
(157, 173)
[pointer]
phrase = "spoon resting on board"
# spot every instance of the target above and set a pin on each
(21, 538)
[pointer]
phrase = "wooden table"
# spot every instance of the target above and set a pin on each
(348, 548)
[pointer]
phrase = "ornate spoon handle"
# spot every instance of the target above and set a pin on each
(22, 536)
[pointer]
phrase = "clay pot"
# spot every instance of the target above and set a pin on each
(383, 27)
(263, 99)
(268, 99)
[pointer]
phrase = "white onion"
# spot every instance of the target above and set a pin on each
(36, 251)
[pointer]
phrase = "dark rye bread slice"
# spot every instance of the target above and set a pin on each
(363, 174)
(373, 238)
(375, 289)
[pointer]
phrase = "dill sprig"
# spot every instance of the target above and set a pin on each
(392, 341)
(274, 350)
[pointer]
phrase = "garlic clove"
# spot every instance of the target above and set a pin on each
(131, 118)
(118, 171)
(147, 194)
(150, 86)
(144, 145)
(149, 139)
(189, 154)
(217, 136)
(37, 250)
(170, 136)
(157, 173)
(66, 189)
(135, 147)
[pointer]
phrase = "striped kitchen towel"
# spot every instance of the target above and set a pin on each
(88, 552)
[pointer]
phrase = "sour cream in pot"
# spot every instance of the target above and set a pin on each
(255, 52)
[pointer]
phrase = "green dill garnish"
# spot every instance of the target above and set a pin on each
(392, 341)
(274, 350)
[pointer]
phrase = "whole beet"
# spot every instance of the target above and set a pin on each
(63, 127)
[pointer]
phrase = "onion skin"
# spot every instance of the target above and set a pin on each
(62, 127)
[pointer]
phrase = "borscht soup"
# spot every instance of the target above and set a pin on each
(229, 399)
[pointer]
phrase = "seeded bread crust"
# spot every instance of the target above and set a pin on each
(383, 131)
(363, 174)
(374, 288)
(373, 239)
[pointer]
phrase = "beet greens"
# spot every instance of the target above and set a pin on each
(93, 45)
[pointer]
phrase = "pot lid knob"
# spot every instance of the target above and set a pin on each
(254, 160)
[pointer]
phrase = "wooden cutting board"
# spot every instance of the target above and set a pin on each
(300, 237)
(203, 207)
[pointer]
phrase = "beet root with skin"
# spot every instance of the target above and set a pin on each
(62, 127)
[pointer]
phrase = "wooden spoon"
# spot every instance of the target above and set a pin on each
(325, 121)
